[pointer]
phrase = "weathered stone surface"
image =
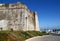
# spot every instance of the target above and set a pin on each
(19, 17)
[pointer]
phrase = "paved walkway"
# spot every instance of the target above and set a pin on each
(45, 38)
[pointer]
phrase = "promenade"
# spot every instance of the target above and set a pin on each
(45, 38)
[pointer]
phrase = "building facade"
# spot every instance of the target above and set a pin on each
(18, 17)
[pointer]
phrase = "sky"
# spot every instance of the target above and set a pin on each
(48, 11)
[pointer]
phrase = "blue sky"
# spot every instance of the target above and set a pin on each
(48, 11)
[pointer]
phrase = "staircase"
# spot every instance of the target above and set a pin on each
(15, 37)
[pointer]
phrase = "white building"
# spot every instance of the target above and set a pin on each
(18, 17)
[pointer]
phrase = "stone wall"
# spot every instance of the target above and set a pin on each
(19, 17)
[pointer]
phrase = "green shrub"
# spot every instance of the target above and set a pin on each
(1, 40)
